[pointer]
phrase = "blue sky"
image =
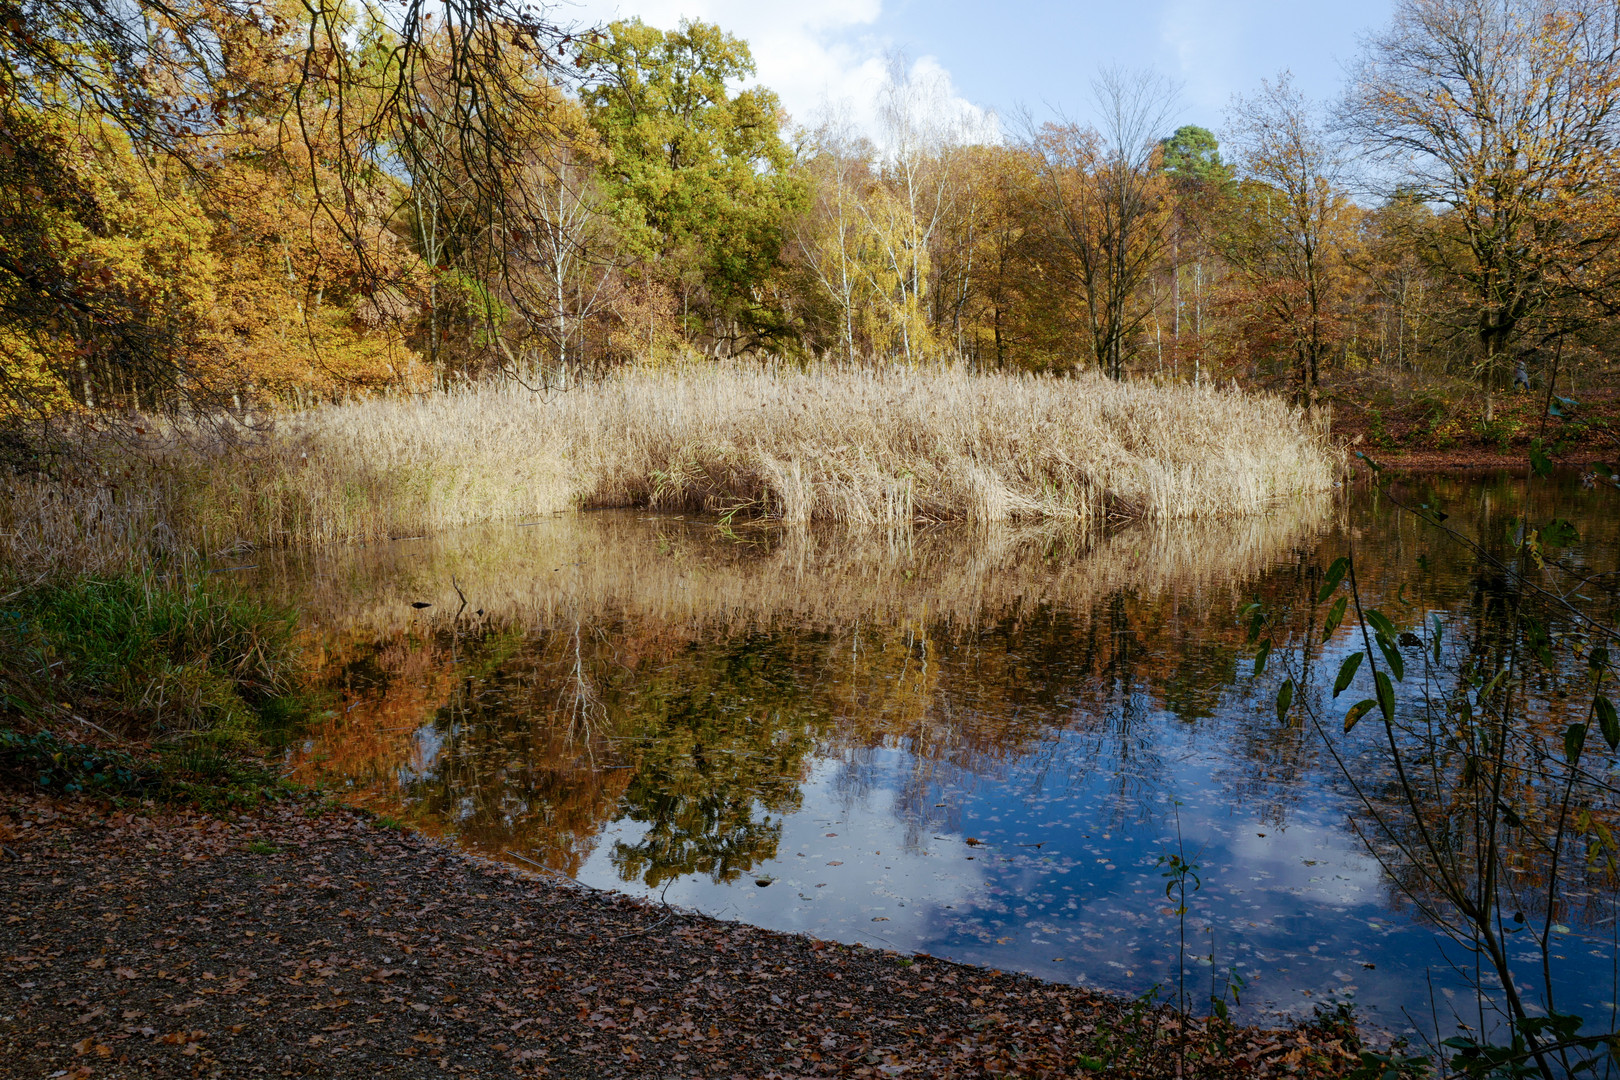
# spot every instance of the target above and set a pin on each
(1036, 53)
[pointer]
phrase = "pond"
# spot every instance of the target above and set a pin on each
(986, 745)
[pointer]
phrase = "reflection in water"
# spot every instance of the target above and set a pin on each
(974, 744)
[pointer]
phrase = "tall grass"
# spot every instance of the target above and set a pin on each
(147, 656)
(884, 448)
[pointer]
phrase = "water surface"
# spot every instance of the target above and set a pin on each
(982, 745)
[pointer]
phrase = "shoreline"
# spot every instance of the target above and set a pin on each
(306, 939)
(1468, 460)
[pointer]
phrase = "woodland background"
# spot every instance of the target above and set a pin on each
(231, 205)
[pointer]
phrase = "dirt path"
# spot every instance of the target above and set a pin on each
(309, 942)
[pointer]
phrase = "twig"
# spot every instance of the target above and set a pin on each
(96, 727)
(538, 866)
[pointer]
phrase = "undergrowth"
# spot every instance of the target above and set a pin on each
(143, 685)
(200, 776)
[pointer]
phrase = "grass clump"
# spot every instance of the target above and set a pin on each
(856, 446)
(152, 657)
(143, 685)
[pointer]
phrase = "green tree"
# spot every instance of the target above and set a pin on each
(697, 174)
(1192, 155)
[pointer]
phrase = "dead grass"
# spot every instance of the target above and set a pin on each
(857, 447)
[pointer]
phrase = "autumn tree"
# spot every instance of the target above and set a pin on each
(1105, 201)
(697, 172)
(1285, 229)
(1403, 292)
(1502, 112)
(829, 237)
(1199, 181)
(182, 93)
(1002, 290)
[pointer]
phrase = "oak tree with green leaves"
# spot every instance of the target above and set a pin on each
(697, 171)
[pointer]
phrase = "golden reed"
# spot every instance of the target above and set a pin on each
(832, 445)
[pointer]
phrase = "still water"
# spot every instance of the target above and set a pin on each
(983, 745)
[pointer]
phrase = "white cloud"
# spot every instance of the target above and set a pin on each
(819, 56)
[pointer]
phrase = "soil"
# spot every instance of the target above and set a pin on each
(307, 940)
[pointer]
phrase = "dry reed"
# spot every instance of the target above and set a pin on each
(868, 448)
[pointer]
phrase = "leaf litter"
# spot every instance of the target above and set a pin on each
(303, 940)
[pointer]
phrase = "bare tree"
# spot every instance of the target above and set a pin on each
(1105, 199)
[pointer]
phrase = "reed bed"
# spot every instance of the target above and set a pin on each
(882, 448)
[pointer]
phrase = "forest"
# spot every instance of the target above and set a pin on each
(244, 207)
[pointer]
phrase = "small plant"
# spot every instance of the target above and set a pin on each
(45, 760)
(262, 847)
(1178, 873)
(1472, 751)
(1393, 1065)
(385, 821)
(1377, 428)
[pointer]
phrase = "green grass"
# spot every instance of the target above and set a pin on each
(140, 685)
(156, 656)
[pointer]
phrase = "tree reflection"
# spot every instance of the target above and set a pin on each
(720, 740)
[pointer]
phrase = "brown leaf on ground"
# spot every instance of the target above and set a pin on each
(353, 951)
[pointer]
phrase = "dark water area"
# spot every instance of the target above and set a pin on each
(985, 745)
